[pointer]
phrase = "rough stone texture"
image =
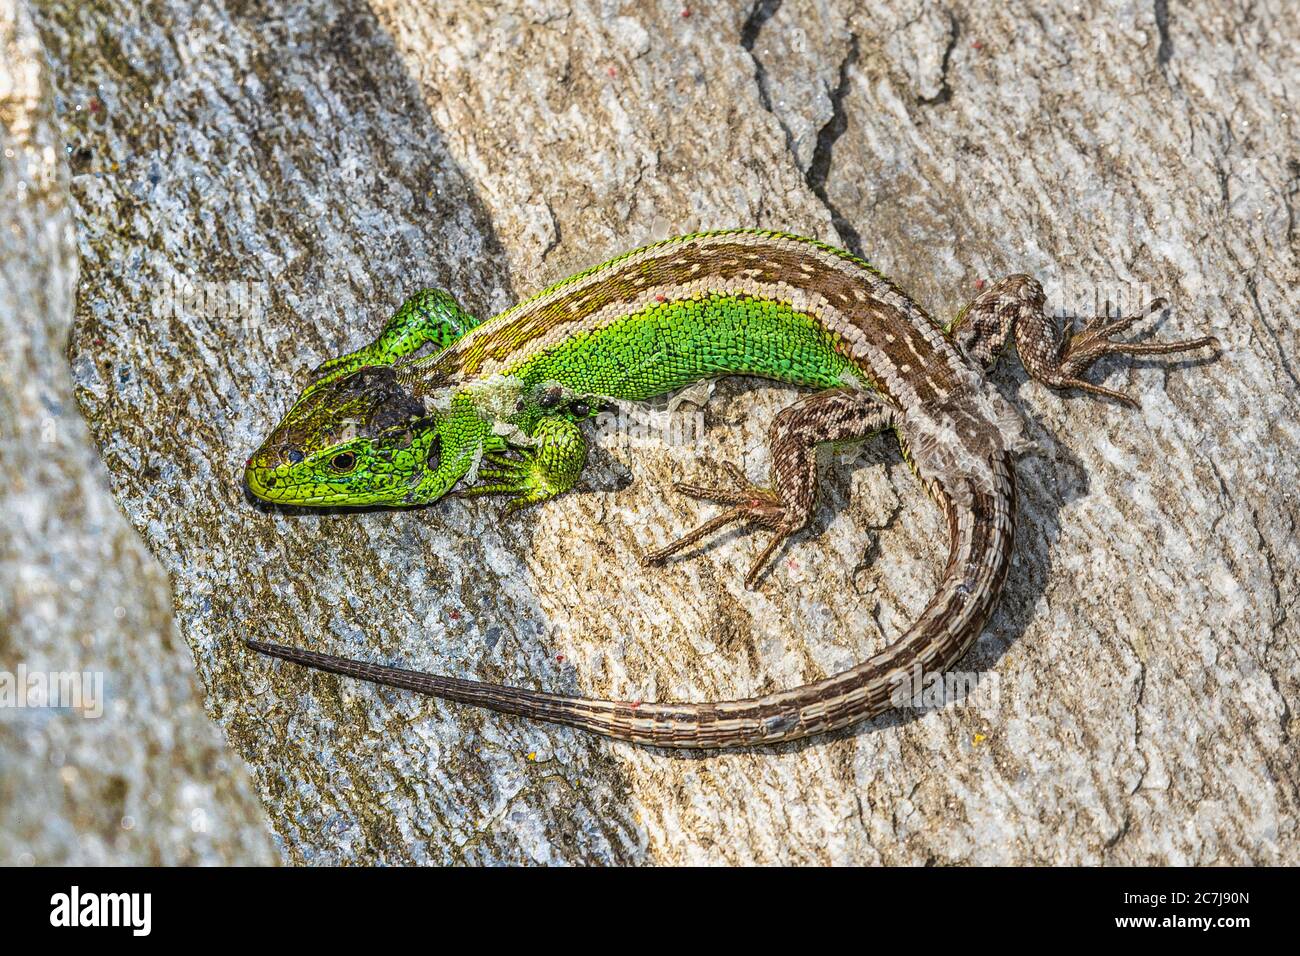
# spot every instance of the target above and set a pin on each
(139, 774)
(302, 168)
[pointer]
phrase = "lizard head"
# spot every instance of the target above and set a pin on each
(360, 440)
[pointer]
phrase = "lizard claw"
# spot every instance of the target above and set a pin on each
(750, 505)
(531, 475)
(1094, 341)
(502, 475)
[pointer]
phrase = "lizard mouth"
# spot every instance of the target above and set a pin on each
(263, 482)
(266, 485)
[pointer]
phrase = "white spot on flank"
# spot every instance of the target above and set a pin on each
(494, 397)
(471, 476)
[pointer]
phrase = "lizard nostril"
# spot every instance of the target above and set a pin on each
(293, 455)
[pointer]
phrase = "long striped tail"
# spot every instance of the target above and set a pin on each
(980, 544)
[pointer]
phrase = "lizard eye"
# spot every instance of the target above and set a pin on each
(434, 458)
(580, 409)
(344, 462)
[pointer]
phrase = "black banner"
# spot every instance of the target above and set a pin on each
(644, 908)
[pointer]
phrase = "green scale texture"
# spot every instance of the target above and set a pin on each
(672, 344)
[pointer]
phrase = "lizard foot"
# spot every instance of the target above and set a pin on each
(517, 478)
(538, 473)
(750, 505)
(1094, 341)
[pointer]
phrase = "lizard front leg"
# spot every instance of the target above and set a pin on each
(787, 507)
(429, 316)
(1014, 308)
(537, 472)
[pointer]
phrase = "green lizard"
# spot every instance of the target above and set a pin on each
(440, 402)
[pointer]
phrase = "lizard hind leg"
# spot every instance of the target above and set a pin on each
(749, 505)
(1079, 350)
(786, 507)
(1014, 307)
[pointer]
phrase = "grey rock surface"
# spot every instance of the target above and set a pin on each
(130, 769)
(256, 188)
